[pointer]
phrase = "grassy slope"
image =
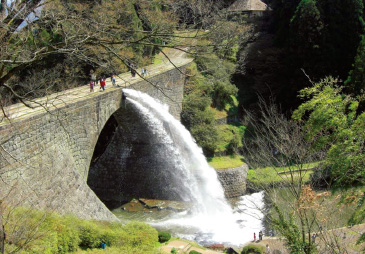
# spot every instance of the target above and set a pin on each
(264, 177)
(226, 162)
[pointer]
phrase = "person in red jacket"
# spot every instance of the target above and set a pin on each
(102, 84)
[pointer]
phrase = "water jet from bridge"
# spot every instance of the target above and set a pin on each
(211, 216)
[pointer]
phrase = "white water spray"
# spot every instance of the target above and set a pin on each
(211, 214)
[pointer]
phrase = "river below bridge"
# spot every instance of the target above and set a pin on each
(177, 219)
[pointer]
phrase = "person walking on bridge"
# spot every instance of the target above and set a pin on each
(102, 84)
(91, 86)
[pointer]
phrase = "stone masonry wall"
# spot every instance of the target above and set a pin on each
(45, 158)
(233, 180)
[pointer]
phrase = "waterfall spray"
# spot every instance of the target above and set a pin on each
(211, 213)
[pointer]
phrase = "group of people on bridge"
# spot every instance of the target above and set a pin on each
(95, 81)
(101, 80)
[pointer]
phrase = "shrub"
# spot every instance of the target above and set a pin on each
(253, 249)
(140, 234)
(173, 251)
(109, 237)
(163, 237)
(90, 235)
(67, 238)
(194, 252)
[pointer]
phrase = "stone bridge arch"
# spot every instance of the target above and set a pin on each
(45, 156)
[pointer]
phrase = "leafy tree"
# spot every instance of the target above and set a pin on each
(334, 124)
(296, 211)
(218, 78)
(289, 229)
(197, 115)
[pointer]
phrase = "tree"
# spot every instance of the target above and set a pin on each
(275, 143)
(333, 124)
(278, 142)
(356, 79)
(307, 26)
(75, 37)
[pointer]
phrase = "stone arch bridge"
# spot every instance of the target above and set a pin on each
(46, 153)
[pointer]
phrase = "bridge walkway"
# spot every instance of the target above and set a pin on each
(57, 100)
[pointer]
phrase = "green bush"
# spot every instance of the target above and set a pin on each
(194, 252)
(229, 138)
(173, 251)
(253, 249)
(90, 235)
(163, 237)
(110, 237)
(68, 239)
(140, 234)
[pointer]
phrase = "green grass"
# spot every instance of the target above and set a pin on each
(226, 162)
(265, 177)
(229, 134)
(158, 59)
(232, 107)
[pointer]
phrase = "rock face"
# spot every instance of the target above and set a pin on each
(153, 205)
(248, 5)
(233, 181)
(45, 157)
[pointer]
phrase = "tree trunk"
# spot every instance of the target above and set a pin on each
(2, 237)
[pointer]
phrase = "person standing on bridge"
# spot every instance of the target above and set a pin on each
(133, 71)
(102, 84)
(93, 76)
(113, 80)
(260, 235)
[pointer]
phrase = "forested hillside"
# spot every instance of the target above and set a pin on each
(303, 41)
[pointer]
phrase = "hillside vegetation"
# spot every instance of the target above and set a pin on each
(34, 231)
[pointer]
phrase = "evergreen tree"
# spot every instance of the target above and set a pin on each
(282, 13)
(356, 80)
(344, 24)
(306, 26)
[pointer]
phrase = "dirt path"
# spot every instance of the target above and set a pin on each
(184, 247)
